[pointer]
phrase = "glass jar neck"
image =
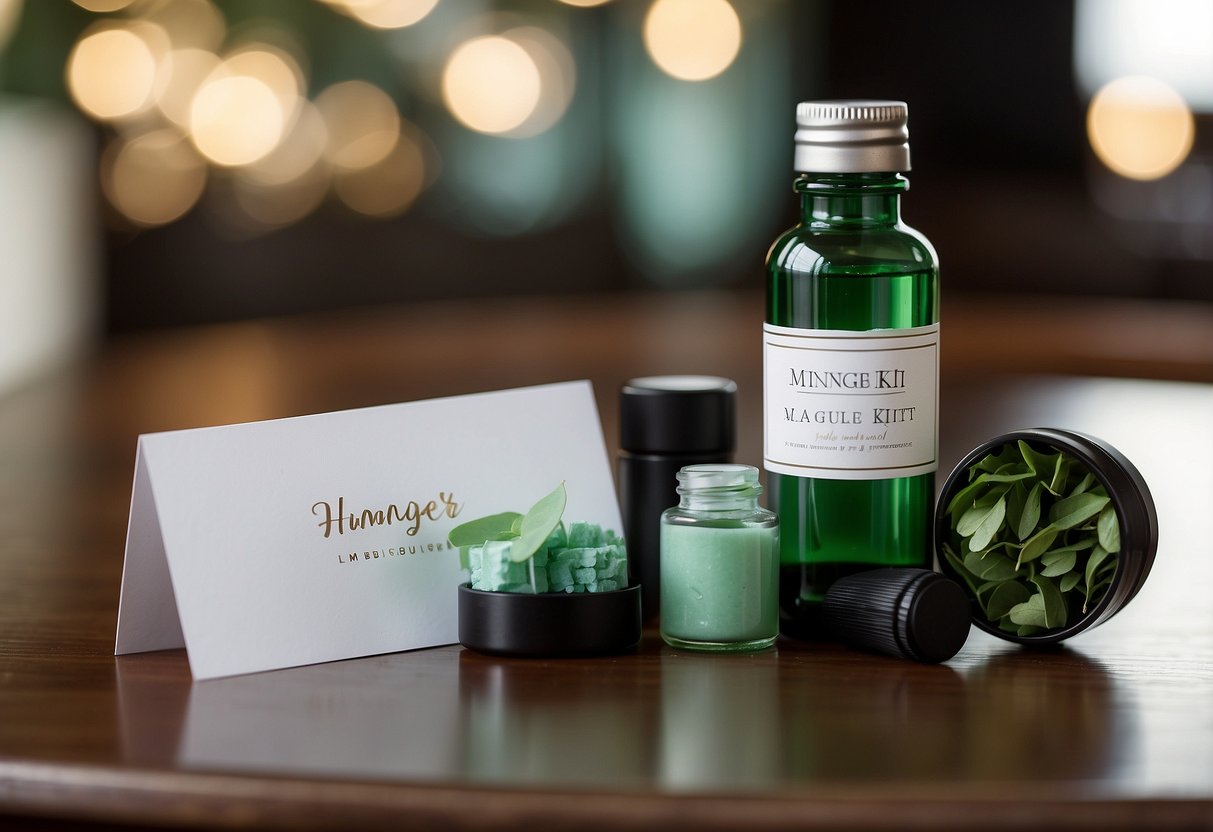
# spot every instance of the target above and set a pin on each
(847, 200)
(736, 498)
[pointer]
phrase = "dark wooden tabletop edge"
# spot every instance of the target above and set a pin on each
(229, 801)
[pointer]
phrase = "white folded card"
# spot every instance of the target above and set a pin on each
(275, 544)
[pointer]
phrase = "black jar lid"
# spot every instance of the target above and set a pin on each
(550, 623)
(1134, 509)
(678, 414)
(909, 613)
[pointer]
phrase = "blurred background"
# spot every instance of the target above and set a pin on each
(177, 162)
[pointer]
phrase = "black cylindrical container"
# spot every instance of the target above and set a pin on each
(666, 422)
(1134, 508)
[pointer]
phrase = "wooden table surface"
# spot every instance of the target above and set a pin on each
(1114, 731)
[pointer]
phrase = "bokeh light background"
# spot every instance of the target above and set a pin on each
(265, 157)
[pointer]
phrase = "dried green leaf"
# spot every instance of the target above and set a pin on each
(1031, 611)
(1055, 604)
(1098, 555)
(1041, 464)
(1057, 563)
(1031, 513)
(1037, 545)
(966, 496)
(972, 519)
(1084, 485)
(989, 526)
(990, 567)
(1109, 529)
(958, 566)
(1005, 596)
(1071, 511)
(1070, 580)
(1061, 470)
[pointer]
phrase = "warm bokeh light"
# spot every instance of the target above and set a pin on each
(275, 68)
(190, 24)
(111, 72)
(236, 119)
(1140, 127)
(103, 6)
(299, 152)
(557, 77)
(361, 121)
(584, 3)
(491, 84)
(388, 14)
(152, 179)
(692, 40)
(389, 187)
(186, 69)
(10, 16)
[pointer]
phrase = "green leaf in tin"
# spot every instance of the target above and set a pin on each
(1017, 496)
(966, 496)
(1069, 512)
(478, 531)
(1055, 604)
(1069, 581)
(1061, 470)
(1040, 464)
(958, 566)
(1027, 630)
(1005, 596)
(990, 567)
(1057, 563)
(1031, 513)
(989, 526)
(1109, 529)
(1084, 484)
(974, 517)
(991, 463)
(538, 524)
(1037, 545)
(1031, 612)
(1079, 545)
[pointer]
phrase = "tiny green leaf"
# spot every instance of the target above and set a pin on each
(1084, 485)
(1041, 464)
(538, 524)
(972, 519)
(1070, 580)
(966, 496)
(1070, 511)
(478, 531)
(1054, 603)
(1057, 563)
(1005, 596)
(1031, 611)
(990, 567)
(959, 567)
(989, 526)
(1031, 513)
(1060, 471)
(1037, 545)
(1109, 529)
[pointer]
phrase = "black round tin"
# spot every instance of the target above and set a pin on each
(550, 623)
(1134, 508)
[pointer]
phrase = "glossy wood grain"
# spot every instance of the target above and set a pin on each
(1114, 731)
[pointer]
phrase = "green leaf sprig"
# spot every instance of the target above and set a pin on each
(528, 531)
(1035, 536)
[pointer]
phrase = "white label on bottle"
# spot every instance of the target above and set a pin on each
(850, 405)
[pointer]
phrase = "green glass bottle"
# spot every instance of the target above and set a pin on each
(851, 361)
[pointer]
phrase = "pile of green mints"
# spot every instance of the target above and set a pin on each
(585, 559)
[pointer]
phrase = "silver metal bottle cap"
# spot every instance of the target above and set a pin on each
(851, 137)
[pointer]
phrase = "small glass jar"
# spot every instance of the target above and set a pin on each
(719, 562)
